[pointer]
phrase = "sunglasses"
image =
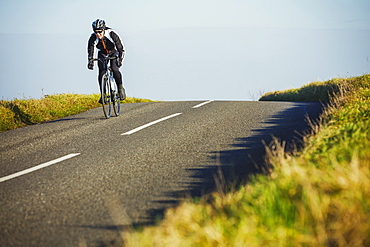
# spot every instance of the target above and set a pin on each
(98, 31)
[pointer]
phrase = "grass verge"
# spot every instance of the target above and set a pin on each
(316, 197)
(312, 92)
(18, 113)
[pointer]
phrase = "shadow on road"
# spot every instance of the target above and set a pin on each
(247, 156)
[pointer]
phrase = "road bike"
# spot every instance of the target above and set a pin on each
(109, 91)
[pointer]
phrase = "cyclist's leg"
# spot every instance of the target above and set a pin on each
(101, 69)
(100, 73)
(118, 77)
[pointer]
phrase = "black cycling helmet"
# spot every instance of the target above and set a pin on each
(98, 24)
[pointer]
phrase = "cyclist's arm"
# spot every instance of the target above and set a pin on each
(119, 44)
(91, 46)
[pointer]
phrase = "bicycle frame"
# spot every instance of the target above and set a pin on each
(108, 87)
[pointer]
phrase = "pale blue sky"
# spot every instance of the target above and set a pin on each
(184, 50)
(74, 15)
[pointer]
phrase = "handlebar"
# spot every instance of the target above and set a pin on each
(104, 58)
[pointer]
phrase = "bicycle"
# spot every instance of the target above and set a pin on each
(109, 90)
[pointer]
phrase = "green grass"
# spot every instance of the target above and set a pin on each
(312, 92)
(318, 196)
(18, 113)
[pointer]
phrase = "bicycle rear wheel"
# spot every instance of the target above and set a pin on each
(115, 98)
(106, 97)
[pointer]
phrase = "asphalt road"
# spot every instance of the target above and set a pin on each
(126, 170)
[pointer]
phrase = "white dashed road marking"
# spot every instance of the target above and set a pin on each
(149, 124)
(202, 104)
(35, 168)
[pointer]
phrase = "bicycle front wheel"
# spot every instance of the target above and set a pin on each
(106, 97)
(116, 99)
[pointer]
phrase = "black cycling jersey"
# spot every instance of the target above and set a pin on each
(112, 41)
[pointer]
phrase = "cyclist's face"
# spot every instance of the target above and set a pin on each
(99, 33)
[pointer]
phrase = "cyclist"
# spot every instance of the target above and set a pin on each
(108, 43)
